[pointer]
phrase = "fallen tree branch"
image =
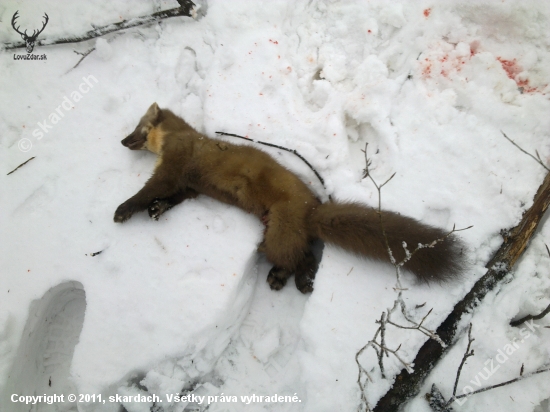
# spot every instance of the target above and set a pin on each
(184, 10)
(531, 317)
(407, 385)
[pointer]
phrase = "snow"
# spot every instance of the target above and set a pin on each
(181, 305)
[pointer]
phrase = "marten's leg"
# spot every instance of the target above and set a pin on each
(163, 184)
(286, 246)
(159, 206)
(305, 272)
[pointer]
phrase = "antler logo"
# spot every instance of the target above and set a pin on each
(29, 40)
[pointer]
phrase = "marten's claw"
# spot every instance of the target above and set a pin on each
(158, 207)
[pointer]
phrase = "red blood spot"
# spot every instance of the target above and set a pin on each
(427, 12)
(261, 94)
(274, 41)
(428, 68)
(289, 68)
(510, 67)
(369, 31)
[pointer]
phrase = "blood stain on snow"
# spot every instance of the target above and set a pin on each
(512, 69)
(427, 68)
(274, 41)
(427, 12)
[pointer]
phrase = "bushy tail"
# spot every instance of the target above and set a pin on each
(356, 228)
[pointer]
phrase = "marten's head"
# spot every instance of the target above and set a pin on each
(148, 134)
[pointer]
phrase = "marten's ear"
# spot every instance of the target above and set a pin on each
(154, 114)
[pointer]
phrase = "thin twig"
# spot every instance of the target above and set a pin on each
(282, 148)
(537, 159)
(22, 164)
(466, 355)
(529, 317)
(84, 55)
(488, 388)
(394, 352)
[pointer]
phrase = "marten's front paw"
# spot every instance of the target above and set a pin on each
(123, 212)
(158, 207)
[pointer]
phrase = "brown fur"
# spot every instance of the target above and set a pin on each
(191, 163)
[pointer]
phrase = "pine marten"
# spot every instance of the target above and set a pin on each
(190, 163)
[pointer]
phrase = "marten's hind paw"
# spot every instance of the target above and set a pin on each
(305, 273)
(277, 278)
(158, 207)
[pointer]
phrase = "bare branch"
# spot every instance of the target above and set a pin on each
(282, 148)
(84, 55)
(531, 317)
(537, 159)
(22, 164)
(546, 368)
(466, 355)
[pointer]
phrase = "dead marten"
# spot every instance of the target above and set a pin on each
(190, 163)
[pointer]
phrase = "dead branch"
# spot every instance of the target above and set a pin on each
(185, 10)
(537, 159)
(531, 317)
(22, 164)
(293, 151)
(466, 355)
(84, 55)
(545, 368)
(437, 400)
(407, 385)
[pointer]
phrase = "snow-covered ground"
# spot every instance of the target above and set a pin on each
(181, 306)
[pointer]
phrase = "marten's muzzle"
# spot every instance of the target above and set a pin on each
(134, 142)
